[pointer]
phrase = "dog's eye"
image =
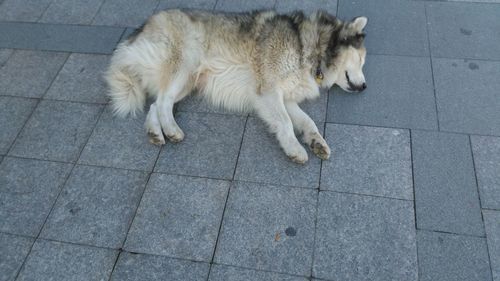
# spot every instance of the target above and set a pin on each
(347, 76)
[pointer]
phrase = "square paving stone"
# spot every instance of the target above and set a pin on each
(268, 228)
(56, 131)
(71, 11)
(486, 152)
(368, 160)
(29, 73)
(152, 268)
(492, 225)
(125, 12)
(262, 160)
(450, 257)
(178, 217)
(80, 79)
(121, 143)
(59, 262)
(209, 149)
(316, 109)
(244, 6)
(464, 30)
(284, 6)
(22, 10)
(223, 273)
(399, 94)
(394, 27)
(446, 195)
(365, 238)
(14, 250)
(96, 207)
(181, 4)
(195, 103)
(467, 96)
(5, 55)
(13, 114)
(28, 189)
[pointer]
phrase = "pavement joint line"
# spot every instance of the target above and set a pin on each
(96, 13)
(261, 270)
(44, 11)
(316, 214)
(55, 76)
(451, 233)
(366, 195)
(414, 202)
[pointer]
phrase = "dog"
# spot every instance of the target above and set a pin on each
(261, 62)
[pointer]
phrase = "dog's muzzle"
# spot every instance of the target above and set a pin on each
(353, 87)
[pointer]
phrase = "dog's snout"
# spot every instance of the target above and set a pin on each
(363, 86)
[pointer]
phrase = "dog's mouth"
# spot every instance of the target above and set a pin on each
(353, 87)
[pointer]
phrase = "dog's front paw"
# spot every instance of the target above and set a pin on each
(177, 136)
(156, 138)
(320, 148)
(298, 155)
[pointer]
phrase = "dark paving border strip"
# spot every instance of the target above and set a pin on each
(58, 37)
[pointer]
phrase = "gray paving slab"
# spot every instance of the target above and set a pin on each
(450, 257)
(120, 143)
(368, 160)
(96, 207)
(22, 10)
(222, 273)
(209, 149)
(243, 6)
(195, 4)
(125, 12)
(464, 30)
(486, 151)
(285, 6)
(71, 11)
(196, 103)
(5, 55)
(467, 95)
(29, 73)
(262, 160)
(399, 94)
(59, 261)
(152, 268)
(268, 228)
(178, 217)
(446, 195)
(14, 250)
(13, 114)
(28, 190)
(81, 79)
(316, 109)
(394, 27)
(365, 238)
(492, 225)
(60, 37)
(57, 131)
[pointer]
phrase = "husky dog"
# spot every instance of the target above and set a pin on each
(260, 61)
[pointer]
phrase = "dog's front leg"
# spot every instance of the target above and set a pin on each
(305, 125)
(271, 108)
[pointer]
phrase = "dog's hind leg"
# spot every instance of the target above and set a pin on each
(153, 126)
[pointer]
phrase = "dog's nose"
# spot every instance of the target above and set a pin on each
(363, 86)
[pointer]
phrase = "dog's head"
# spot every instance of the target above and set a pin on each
(344, 56)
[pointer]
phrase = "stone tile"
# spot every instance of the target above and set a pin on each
(28, 189)
(365, 238)
(284, 6)
(368, 160)
(14, 250)
(244, 6)
(195, 4)
(5, 55)
(262, 160)
(449, 257)
(71, 11)
(125, 12)
(56, 131)
(121, 143)
(316, 109)
(58, 261)
(96, 207)
(486, 152)
(394, 27)
(445, 188)
(399, 94)
(152, 268)
(268, 228)
(13, 114)
(222, 273)
(467, 96)
(60, 37)
(210, 138)
(464, 30)
(22, 10)
(81, 79)
(178, 217)
(29, 73)
(195, 103)
(492, 225)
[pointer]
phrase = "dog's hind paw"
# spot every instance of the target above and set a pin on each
(156, 139)
(176, 137)
(299, 156)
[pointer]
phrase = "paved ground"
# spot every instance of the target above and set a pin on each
(412, 191)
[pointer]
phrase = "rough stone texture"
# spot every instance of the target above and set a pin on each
(449, 257)
(22, 10)
(284, 6)
(178, 217)
(486, 152)
(492, 225)
(194, 4)
(239, 6)
(5, 55)
(71, 11)
(14, 250)
(365, 238)
(13, 114)
(222, 273)
(28, 189)
(125, 12)
(368, 160)
(268, 228)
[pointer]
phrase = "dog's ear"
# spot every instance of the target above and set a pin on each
(359, 24)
